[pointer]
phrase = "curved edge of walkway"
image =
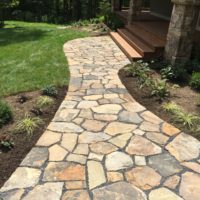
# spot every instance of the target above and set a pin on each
(102, 144)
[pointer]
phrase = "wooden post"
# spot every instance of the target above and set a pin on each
(135, 7)
(115, 5)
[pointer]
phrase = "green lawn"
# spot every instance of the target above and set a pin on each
(31, 56)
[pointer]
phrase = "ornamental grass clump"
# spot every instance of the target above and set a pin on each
(28, 125)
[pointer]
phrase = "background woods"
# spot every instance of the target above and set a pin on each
(53, 11)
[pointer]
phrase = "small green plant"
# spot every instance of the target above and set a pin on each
(113, 21)
(5, 113)
(6, 142)
(195, 81)
(50, 90)
(187, 119)
(28, 125)
(137, 68)
(176, 73)
(44, 101)
(160, 89)
(171, 107)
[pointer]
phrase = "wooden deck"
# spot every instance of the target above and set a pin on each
(147, 35)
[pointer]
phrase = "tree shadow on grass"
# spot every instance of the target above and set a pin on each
(20, 34)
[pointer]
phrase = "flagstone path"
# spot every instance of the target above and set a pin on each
(102, 144)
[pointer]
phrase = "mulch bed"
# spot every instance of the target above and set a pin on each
(183, 96)
(10, 160)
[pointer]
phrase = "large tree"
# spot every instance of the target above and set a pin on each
(5, 4)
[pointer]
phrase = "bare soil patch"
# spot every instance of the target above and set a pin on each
(184, 96)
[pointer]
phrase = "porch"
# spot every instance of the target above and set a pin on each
(145, 37)
(157, 29)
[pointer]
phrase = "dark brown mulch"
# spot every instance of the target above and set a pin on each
(10, 160)
(183, 96)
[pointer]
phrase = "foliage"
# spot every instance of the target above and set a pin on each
(50, 90)
(28, 125)
(189, 120)
(113, 21)
(195, 81)
(44, 101)
(104, 7)
(160, 89)
(6, 142)
(5, 113)
(171, 107)
(137, 68)
(26, 61)
(196, 52)
(176, 73)
(193, 66)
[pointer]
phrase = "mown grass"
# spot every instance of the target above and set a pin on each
(31, 56)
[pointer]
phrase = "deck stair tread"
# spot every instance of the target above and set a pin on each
(125, 46)
(146, 36)
(158, 29)
(136, 43)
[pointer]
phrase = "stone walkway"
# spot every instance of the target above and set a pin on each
(102, 144)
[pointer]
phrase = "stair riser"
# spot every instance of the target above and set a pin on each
(147, 42)
(124, 50)
(144, 54)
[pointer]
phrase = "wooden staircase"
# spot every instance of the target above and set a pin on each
(139, 41)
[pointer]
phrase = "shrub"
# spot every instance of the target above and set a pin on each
(113, 21)
(44, 101)
(28, 125)
(5, 113)
(50, 90)
(188, 120)
(195, 81)
(176, 73)
(193, 66)
(160, 89)
(6, 142)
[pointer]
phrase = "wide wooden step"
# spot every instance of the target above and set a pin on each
(142, 48)
(146, 36)
(130, 52)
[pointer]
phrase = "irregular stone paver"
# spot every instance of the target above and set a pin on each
(96, 174)
(75, 185)
(100, 137)
(23, 177)
(189, 188)
(64, 171)
(114, 191)
(165, 164)
(172, 182)
(76, 195)
(142, 147)
(114, 176)
(117, 161)
(51, 191)
(163, 194)
(12, 195)
(184, 147)
(103, 148)
(36, 157)
(115, 128)
(57, 153)
(143, 177)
